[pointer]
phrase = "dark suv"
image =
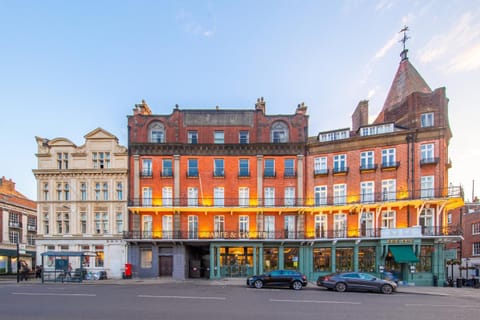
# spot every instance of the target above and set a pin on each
(290, 278)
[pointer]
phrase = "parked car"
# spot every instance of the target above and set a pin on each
(356, 281)
(290, 278)
(387, 275)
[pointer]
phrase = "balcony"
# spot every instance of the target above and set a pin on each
(166, 173)
(391, 165)
(428, 161)
(368, 167)
(289, 173)
(282, 235)
(269, 174)
(320, 172)
(295, 202)
(146, 174)
(31, 228)
(340, 170)
(17, 225)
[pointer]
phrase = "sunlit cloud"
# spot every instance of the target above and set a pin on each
(390, 43)
(458, 49)
(467, 60)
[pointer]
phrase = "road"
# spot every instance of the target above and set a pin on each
(202, 302)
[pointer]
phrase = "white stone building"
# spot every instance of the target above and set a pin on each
(82, 200)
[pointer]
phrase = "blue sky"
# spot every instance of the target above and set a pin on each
(68, 67)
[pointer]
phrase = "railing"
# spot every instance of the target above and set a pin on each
(281, 234)
(318, 201)
(426, 161)
(390, 165)
(15, 224)
(368, 167)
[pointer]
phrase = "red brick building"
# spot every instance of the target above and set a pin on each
(225, 193)
(18, 224)
(202, 178)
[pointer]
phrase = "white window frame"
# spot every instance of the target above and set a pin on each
(147, 197)
(269, 227)
(367, 160)
(192, 227)
(167, 196)
(427, 187)
(340, 225)
(321, 193)
(320, 165)
(367, 191)
(218, 137)
(321, 226)
(389, 219)
(339, 194)
(219, 197)
(167, 226)
(289, 200)
(427, 152)
(269, 196)
(290, 227)
(389, 157)
(389, 190)
(339, 163)
(192, 196)
(427, 119)
(219, 226)
(243, 196)
(243, 226)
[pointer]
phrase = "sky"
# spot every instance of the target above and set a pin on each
(68, 67)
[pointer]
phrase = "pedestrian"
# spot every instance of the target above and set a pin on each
(69, 271)
(38, 272)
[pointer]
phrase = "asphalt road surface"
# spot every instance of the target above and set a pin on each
(202, 302)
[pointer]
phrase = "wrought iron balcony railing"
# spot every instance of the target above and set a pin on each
(317, 201)
(283, 234)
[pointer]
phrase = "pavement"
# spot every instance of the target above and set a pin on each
(466, 292)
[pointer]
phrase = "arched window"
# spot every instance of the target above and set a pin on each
(279, 132)
(156, 132)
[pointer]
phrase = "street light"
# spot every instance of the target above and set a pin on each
(466, 268)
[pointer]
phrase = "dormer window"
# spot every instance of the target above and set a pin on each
(426, 120)
(156, 132)
(279, 132)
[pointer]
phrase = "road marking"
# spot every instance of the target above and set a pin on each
(182, 297)
(315, 301)
(55, 294)
(442, 305)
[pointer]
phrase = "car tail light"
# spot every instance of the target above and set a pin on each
(326, 278)
(304, 278)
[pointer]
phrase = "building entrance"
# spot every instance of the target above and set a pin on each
(165, 266)
(236, 261)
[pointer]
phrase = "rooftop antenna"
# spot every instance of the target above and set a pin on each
(403, 54)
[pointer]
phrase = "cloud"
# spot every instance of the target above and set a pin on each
(390, 43)
(467, 60)
(384, 4)
(458, 49)
(192, 25)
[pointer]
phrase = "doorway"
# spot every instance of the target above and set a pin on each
(165, 266)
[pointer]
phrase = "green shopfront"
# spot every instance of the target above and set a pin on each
(412, 260)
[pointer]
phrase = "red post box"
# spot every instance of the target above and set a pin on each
(128, 271)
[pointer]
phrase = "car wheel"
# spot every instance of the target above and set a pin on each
(258, 284)
(387, 289)
(341, 287)
(296, 285)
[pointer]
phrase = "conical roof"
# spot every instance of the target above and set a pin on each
(407, 81)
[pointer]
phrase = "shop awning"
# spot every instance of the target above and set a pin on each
(403, 254)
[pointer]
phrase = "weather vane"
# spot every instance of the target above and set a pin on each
(404, 40)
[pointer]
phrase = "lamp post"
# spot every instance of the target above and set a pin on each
(466, 269)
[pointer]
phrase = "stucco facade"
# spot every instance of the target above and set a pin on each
(82, 200)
